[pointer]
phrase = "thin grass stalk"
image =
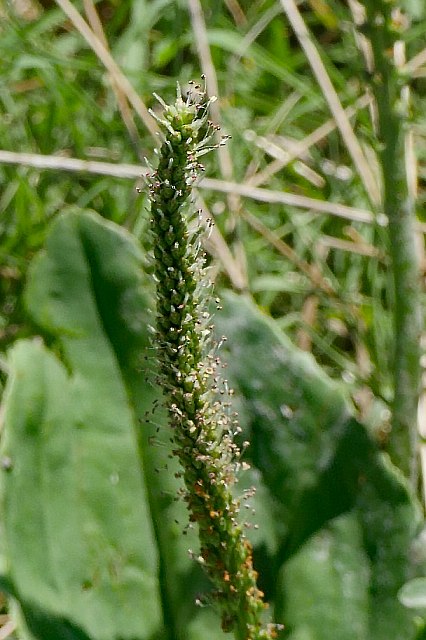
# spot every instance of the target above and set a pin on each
(383, 27)
(122, 102)
(330, 95)
(203, 428)
(199, 28)
(109, 63)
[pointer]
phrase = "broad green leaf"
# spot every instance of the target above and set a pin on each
(78, 539)
(81, 554)
(319, 463)
(296, 416)
(325, 585)
(108, 556)
(390, 518)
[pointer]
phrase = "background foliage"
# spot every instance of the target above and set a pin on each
(314, 266)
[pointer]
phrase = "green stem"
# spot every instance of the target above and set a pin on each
(202, 426)
(398, 205)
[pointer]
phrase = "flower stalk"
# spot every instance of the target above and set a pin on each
(203, 427)
(383, 26)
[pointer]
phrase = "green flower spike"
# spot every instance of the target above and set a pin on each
(203, 427)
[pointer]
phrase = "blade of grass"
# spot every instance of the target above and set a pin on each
(110, 64)
(306, 143)
(311, 271)
(123, 105)
(201, 40)
(255, 32)
(236, 12)
(422, 425)
(282, 113)
(217, 246)
(277, 152)
(225, 161)
(332, 99)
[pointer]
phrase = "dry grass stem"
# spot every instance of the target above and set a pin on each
(302, 146)
(216, 245)
(308, 317)
(110, 64)
(201, 39)
(133, 171)
(291, 199)
(332, 99)
(123, 105)
(236, 12)
(363, 43)
(280, 116)
(277, 152)
(311, 271)
(61, 163)
(362, 249)
(409, 150)
(225, 161)
(7, 629)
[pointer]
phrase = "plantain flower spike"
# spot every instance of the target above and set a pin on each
(203, 427)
